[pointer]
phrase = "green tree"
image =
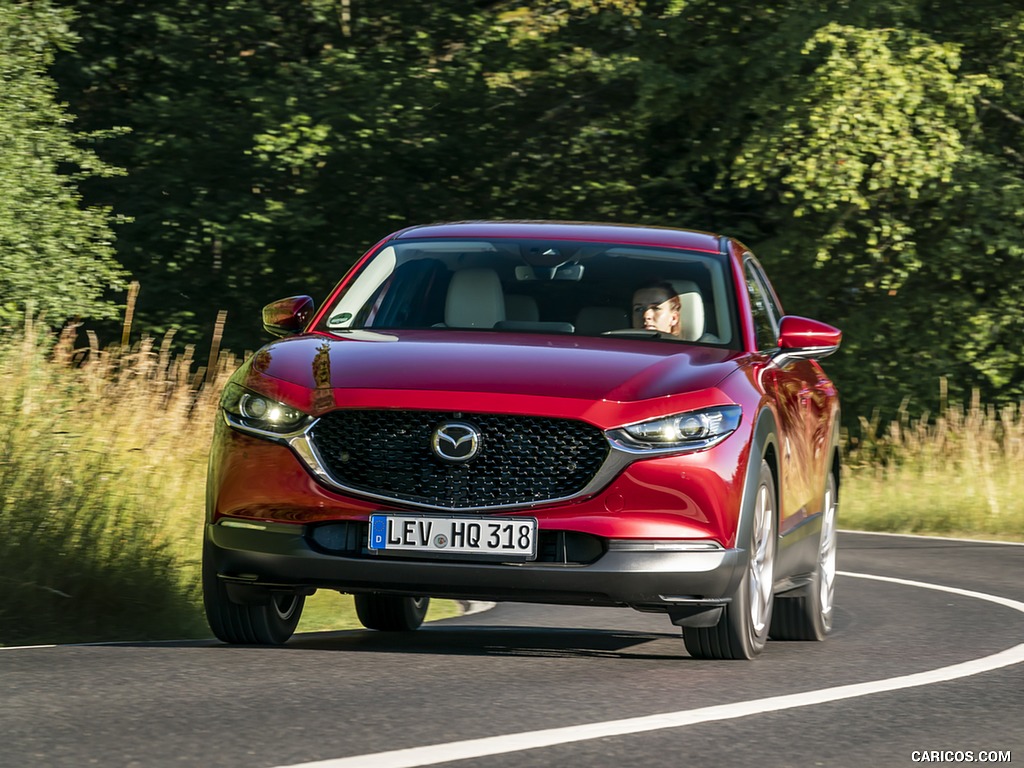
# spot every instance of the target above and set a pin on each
(56, 256)
(273, 141)
(867, 151)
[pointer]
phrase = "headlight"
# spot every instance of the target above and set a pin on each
(681, 432)
(258, 413)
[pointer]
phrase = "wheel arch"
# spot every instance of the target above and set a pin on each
(836, 446)
(764, 446)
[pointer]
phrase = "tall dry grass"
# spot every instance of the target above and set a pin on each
(103, 458)
(102, 470)
(960, 473)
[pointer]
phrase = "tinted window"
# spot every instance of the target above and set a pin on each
(761, 305)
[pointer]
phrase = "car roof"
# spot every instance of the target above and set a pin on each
(570, 230)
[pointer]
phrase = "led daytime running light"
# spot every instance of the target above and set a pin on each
(246, 409)
(694, 429)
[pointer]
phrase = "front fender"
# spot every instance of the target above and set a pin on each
(764, 446)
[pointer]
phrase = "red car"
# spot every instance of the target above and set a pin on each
(533, 411)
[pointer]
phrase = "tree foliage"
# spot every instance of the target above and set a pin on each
(869, 152)
(55, 255)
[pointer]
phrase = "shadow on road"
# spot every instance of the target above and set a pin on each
(471, 640)
(500, 641)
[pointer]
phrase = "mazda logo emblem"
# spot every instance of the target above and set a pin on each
(456, 441)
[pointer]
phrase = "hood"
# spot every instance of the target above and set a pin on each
(587, 368)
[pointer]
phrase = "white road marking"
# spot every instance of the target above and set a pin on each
(934, 538)
(518, 742)
(476, 606)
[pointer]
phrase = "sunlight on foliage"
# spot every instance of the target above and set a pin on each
(54, 252)
(880, 121)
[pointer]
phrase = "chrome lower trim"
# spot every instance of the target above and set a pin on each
(784, 356)
(243, 524)
(628, 545)
(278, 437)
(620, 444)
(257, 525)
(708, 602)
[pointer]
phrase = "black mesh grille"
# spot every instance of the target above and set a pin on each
(522, 459)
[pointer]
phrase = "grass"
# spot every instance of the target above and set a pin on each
(102, 480)
(958, 474)
(102, 466)
(103, 463)
(332, 611)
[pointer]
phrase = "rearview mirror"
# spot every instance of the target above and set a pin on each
(566, 271)
(287, 316)
(806, 339)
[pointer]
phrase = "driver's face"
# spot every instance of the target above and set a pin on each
(652, 310)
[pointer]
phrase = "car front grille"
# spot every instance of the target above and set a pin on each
(521, 460)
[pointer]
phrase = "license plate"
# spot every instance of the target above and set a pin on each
(504, 538)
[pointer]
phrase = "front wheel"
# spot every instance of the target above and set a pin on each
(809, 616)
(391, 613)
(742, 631)
(270, 621)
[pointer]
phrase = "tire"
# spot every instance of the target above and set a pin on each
(269, 623)
(391, 613)
(809, 616)
(742, 631)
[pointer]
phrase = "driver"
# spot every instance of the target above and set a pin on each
(656, 308)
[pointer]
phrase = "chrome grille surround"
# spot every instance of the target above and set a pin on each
(523, 461)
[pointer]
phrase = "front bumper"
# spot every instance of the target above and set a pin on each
(695, 496)
(281, 556)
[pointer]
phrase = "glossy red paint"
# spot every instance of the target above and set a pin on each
(804, 333)
(669, 497)
(288, 315)
(605, 382)
(579, 374)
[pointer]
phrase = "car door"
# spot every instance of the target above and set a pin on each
(792, 384)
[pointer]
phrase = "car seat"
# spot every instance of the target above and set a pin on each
(521, 307)
(474, 300)
(691, 310)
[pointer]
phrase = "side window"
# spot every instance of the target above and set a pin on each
(765, 323)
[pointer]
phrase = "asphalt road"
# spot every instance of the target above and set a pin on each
(538, 673)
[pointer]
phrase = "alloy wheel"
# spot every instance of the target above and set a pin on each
(762, 561)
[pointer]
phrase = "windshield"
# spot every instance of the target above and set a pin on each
(586, 289)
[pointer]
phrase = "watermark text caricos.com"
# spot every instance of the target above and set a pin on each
(961, 756)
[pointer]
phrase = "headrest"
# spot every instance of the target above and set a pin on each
(691, 310)
(520, 307)
(474, 299)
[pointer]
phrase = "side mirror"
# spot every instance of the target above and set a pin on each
(806, 339)
(287, 316)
